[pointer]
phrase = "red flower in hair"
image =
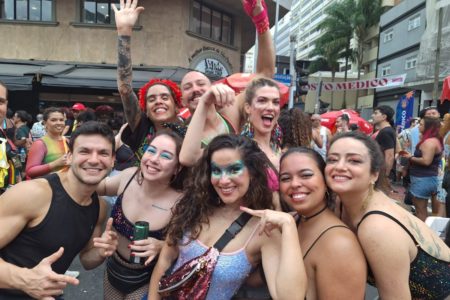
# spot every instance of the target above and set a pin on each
(172, 86)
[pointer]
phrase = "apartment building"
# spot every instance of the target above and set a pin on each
(401, 30)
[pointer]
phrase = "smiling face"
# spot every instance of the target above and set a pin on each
(193, 86)
(348, 168)
(302, 184)
(160, 160)
(264, 109)
(160, 105)
(229, 176)
(55, 123)
(92, 158)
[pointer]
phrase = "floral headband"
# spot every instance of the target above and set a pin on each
(172, 86)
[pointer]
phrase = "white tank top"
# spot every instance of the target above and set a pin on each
(322, 151)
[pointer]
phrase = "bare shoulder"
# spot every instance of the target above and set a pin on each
(28, 196)
(380, 231)
(125, 176)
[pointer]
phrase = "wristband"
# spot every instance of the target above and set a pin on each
(261, 21)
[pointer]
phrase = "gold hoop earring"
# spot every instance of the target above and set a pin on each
(369, 196)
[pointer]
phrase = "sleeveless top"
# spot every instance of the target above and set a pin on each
(55, 149)
(429, 277)
(67, 224)
(121, 223)
(322, 151)
(425, 171)
(231, 270)
(320, 235)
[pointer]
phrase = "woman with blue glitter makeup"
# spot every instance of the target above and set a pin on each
(148, 194)
(231, 179)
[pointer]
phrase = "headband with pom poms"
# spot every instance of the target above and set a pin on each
(172, 86)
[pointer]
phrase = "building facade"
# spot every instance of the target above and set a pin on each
(401, 30)
(66, 51)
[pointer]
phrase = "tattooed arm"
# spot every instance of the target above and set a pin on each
(125, 18)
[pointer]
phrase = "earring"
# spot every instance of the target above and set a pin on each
(366, 201)
(248, 130)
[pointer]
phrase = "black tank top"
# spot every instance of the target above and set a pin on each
(67, 224)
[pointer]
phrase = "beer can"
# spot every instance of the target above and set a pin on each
(140, 232)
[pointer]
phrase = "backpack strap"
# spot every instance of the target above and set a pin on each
(232, 231)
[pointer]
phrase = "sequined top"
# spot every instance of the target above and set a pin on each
(429, 277)
(230, 272)
(121, 223)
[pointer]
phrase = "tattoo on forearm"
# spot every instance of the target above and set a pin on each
(124, 81)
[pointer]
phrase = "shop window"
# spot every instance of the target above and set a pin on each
(98, 12)
(211, 23)
(27, 10)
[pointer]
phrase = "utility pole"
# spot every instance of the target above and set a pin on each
(438, 55)
(292, 70)
(275, 34)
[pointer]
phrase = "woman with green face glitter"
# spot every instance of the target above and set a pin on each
(230, 180)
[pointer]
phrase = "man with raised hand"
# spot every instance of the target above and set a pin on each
(46, 222)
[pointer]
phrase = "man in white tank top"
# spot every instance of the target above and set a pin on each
(324, 132)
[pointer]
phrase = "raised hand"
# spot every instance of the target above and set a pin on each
(107, 243)
(42, 282)
(253, 7)
(127, 16)
(149, 248)
(220, 95)
(270, 219)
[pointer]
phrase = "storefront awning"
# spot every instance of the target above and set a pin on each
(98, 77)
(18, 76)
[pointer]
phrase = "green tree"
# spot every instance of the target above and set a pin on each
(347, 20)
(328, 51)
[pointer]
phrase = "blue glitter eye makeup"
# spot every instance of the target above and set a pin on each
(233, 170)
(151, 149)
(164, 155)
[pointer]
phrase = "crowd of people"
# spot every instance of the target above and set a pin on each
(243, 195)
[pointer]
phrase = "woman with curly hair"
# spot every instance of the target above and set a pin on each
(297, 129)
(145, 193)
(230, 175)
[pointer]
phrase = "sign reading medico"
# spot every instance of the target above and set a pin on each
(210, 62)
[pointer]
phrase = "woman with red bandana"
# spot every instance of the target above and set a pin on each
(159, 99)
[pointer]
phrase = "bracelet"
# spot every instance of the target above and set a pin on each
(261, 21)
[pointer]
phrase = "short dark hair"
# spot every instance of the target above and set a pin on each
(23, 116)
(425, 110)
(92, 128)
(51, 110)
(387, 111)
(6, 88)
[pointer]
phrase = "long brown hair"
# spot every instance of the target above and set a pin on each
(200, 199)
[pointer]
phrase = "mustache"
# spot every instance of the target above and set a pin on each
(195, 95)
